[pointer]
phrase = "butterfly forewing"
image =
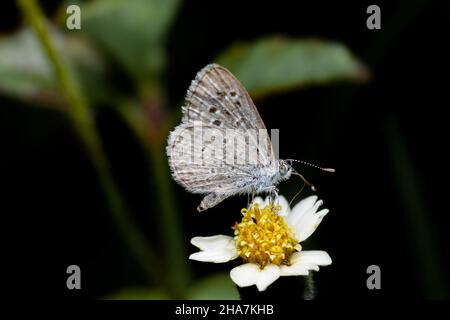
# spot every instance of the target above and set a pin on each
(216, 97)
(215, 94)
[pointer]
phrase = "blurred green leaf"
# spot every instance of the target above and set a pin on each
(26, 73)
(24, 70)
(215, 287)
(277, 64)
(132, 31)
(138, 293)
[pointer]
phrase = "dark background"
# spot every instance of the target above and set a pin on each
(387, 140)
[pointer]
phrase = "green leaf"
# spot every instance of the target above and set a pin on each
(26, 72)
(131, 31)
(24, 69)
(138, 293)
(276, 64)
(215, 287)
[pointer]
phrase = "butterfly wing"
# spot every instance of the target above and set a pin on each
(202, 167)
(215, 97)
(218, 106)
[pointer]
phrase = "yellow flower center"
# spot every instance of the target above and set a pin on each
(263, 237)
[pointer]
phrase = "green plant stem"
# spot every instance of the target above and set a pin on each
(310, 290)
(83, 122)
(170, 221)
(422, 235)
(168, 214)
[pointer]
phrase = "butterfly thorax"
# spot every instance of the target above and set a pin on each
(266, 177)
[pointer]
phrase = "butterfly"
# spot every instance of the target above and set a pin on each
(218, 111)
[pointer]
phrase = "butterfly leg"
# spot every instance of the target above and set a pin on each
(250, 198)
(273, 194)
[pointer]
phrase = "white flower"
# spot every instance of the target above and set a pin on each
(268, 240)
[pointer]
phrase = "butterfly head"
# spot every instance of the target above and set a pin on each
(284, 169)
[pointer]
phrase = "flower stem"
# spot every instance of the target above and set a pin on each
(310, 289)
(147, 120)
(84, 125)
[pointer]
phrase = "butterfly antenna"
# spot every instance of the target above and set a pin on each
(312, 165)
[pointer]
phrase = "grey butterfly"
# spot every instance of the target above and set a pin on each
(216, 101)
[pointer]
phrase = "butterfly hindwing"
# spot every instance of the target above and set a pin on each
(202, 167)
(215, 97)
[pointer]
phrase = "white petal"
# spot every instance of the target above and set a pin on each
(294, 270)
(245, 275)
(213, 242)
(319, 257)
(213, 256)
(285, 210)
(309, 223)
(300, 209)
(250, 274)
(304, 219)
(302, 262)
(215, 249)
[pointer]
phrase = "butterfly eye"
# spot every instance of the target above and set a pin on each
(283, 168)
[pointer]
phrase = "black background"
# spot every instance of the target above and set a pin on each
(387, 140)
